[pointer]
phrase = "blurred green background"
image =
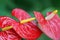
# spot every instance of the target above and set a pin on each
(42, 6)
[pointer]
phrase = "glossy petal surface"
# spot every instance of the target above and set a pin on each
(9, 34)
(51, 27)
(28, 30)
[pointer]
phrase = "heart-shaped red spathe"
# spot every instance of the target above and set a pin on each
(28, 30)
(50, 27)
(9, 34)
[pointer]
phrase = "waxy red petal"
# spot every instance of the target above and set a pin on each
(40, 18)
(9, 34)
(28, 30)
(20, 14)
(51, 28)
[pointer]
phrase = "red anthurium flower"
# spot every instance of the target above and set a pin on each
(9, 34)
(50, 27)
(28, 30)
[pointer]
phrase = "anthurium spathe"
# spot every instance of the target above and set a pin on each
(50, 27)
(27, 30)
(8, 34)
